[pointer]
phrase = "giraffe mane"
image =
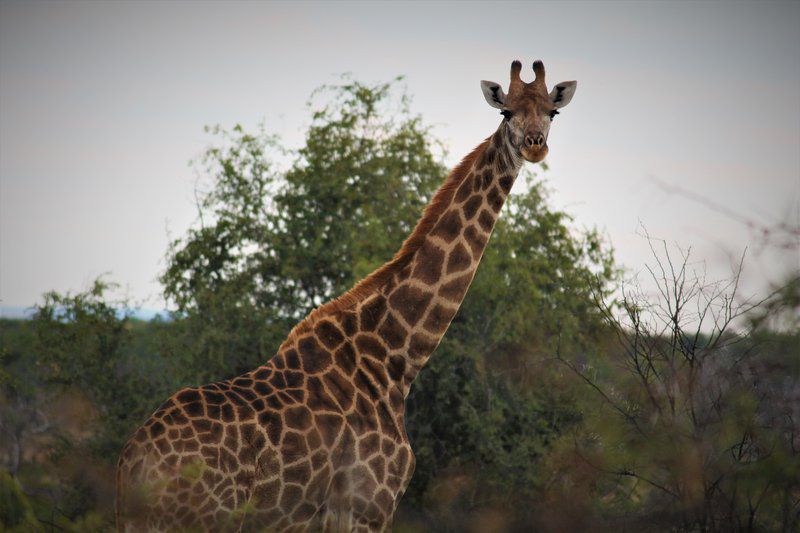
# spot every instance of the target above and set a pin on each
(365, 287)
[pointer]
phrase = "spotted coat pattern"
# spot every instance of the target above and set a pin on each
(315, 438)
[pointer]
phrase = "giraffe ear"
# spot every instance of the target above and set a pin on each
(493, 93)
(562, 93)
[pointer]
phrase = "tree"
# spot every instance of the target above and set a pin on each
(272, 243)
(489, 404)
(697, 425)
(76, 379)
(15, 510)
(83, 345)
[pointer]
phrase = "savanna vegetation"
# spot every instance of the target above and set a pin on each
(561, 398)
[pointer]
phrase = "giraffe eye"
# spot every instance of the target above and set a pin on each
(553, 114)
(506, 114)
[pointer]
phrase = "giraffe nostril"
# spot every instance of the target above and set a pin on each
(534, 140)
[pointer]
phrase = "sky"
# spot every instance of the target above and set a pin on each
(103, 104)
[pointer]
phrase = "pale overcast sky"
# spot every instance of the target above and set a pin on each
(102, 105)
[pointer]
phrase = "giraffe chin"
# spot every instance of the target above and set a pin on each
(535, 155)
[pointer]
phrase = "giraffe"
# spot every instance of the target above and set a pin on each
(314, 439)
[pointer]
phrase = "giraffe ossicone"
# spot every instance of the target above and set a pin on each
(314, 439)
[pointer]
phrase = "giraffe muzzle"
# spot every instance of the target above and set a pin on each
(534, 140)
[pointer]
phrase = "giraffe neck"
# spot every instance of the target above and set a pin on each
(427, 292)
(382, 331)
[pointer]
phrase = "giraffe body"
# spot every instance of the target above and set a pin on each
(315, 438)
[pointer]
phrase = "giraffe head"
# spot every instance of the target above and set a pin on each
(528, 109)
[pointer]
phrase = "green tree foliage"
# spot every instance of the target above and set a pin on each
(271, 244)
(83, 344)
(488, 404)
(16, 514)
(77, 378)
